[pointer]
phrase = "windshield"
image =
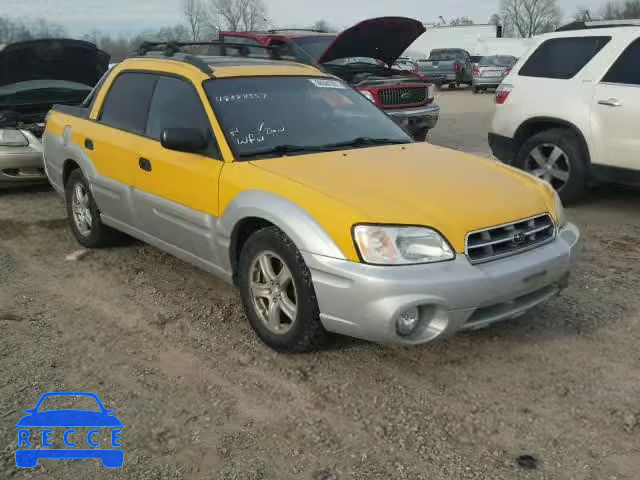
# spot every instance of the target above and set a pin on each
(42, 90)
(261, 113)
(498, 61)
(316, 45)
(446, 55)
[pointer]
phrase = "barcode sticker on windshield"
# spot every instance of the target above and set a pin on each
(327, 83)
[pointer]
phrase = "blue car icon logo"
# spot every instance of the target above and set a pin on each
(43, 433)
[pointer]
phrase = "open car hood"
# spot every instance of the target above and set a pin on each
(52, 59)
(384, 38)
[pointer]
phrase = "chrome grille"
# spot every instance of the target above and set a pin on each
(403, 96)
(509, 239)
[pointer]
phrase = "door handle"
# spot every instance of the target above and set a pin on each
(144, 164)
(612, 102)
(88, 144)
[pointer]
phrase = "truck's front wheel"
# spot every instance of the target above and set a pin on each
(277, 293)
(83, 213)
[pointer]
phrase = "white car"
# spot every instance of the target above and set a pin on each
(569, 111)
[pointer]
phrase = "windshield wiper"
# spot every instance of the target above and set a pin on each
(291, 149)
(282, 150)
(367, 142)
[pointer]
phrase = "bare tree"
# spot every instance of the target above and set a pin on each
(531, 17)
(461, 21)
(324, 26)
(13, 30)
(621, 10)
(495, 19)
(582, 15)
(238, 15)
(196, 18)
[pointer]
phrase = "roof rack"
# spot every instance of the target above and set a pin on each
(173, 50)
(277, 30)
(598, 24)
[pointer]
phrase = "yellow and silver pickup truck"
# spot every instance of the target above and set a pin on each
(290, 184)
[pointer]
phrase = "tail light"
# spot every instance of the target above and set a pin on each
(457, 67)
(476, 71)
(508, 71)
(502, 93)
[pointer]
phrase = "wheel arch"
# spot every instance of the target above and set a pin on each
(253, 210)
(69, 166)
(535, 125)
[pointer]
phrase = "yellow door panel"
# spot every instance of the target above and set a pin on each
(113, 150)
(184, 178)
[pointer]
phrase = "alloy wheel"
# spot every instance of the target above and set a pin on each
(81, 211)
(549, 162)
(273, 292)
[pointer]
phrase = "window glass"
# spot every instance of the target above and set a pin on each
(562, 58)
(128, 101)
(627, 67)
(258, 113)
(176, 104)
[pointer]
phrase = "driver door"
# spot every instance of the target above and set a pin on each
(176, 193)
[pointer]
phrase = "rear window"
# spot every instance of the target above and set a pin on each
(498, 61)
(562, 58)
(626, 69)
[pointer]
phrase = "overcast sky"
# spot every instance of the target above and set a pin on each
(131, 16)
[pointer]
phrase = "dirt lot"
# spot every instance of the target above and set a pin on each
(168, 348)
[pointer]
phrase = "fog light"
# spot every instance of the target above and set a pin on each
(408, 321)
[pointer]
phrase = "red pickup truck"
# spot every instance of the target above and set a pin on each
(363, 55)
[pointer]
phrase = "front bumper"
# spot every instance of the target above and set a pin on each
(364, 301)
(20, 165)
(416, 118)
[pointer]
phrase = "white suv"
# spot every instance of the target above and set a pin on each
(569, 112)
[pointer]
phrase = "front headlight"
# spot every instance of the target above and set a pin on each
(382, 245)
(368, 95)
(12, 138)
(560, 215)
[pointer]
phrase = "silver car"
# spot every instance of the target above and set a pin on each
(34, 75)
(491, 70)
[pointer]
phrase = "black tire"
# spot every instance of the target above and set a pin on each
(575, 187)
(99, 235)
(420, 134)
(476, 89)
(306, 332)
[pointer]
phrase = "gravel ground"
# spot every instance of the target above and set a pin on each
(168, 348)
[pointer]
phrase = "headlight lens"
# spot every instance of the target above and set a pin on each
(368, 95)
(382, 245)
(12, 138)
(560, 215)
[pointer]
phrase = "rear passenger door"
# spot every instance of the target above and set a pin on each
(176, 193)
(111, 143)
(615, 114)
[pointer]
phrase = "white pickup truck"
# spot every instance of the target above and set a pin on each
(569, 111)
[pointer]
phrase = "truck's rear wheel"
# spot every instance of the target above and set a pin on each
(84, 216)
(277, 293)
(558, 157)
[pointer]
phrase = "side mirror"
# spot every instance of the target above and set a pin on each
(188, 140)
